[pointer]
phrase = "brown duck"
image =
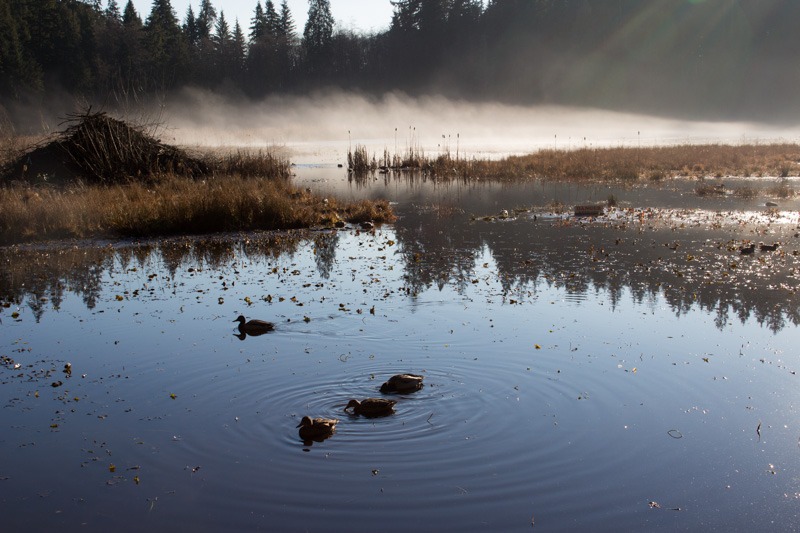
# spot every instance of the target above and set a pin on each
(402, 383)
(254, 327)
(372, 407)
(317, 429)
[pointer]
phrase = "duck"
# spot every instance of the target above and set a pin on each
(372, 407)
(317, 429)
(254, 327)
(768, 247)
(747, 250)
(403, 383)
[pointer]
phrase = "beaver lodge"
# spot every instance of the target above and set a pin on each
(97, 148)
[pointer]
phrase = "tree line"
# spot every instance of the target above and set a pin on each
(713, 57)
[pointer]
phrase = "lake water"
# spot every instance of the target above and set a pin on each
(634, 372)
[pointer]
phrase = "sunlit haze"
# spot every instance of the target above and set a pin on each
(320, 128)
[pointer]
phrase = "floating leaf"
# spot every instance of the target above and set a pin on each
(119, 298)
(136, 479)
(173, 396)
(537, 346)
(112, 467)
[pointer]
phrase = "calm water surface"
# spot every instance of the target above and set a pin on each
(634, 373)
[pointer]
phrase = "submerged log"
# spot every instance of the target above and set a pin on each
(588, 210)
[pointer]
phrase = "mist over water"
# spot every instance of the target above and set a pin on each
(316, 127)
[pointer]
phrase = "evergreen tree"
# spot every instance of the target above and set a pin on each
(258, 25)
(286, 30)
(130, 18)
(238, 51)
(285, 47)
(273, 20)
(109, 49)
(132, 52)
(190, 28)
(16, 73)
(432, 16)
(222, 35)
(113, 12)
(464, 12)
(223, 50)
(166, 47)
(318, 35)
(206, 19)
(406, 15)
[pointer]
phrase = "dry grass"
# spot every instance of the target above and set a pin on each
(617, 164)
(117, 181)
(358, 160)
(246, 163)
(173, 206)
(656, 163)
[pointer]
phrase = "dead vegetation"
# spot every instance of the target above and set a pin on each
(104, 178)
(98, 149)
(173, 206)
(615, 164)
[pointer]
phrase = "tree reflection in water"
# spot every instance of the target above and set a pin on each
(687, 265)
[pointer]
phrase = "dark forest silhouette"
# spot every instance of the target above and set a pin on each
(709, 58)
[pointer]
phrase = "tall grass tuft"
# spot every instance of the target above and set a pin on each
(358, 160)
(261, 163)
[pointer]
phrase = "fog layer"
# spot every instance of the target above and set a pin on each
(324, 126)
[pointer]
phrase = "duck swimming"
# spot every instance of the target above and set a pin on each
(747, 250)
(317, 429)
(254, 327)
(402, 383)
(372, 407)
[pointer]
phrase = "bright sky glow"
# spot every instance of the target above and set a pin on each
(363, 15)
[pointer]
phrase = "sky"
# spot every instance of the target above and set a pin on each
(362, 15)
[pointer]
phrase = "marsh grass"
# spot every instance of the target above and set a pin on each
(358, 160)
(173, 206)
(621, 164)
(247, 163)
(657, 163)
